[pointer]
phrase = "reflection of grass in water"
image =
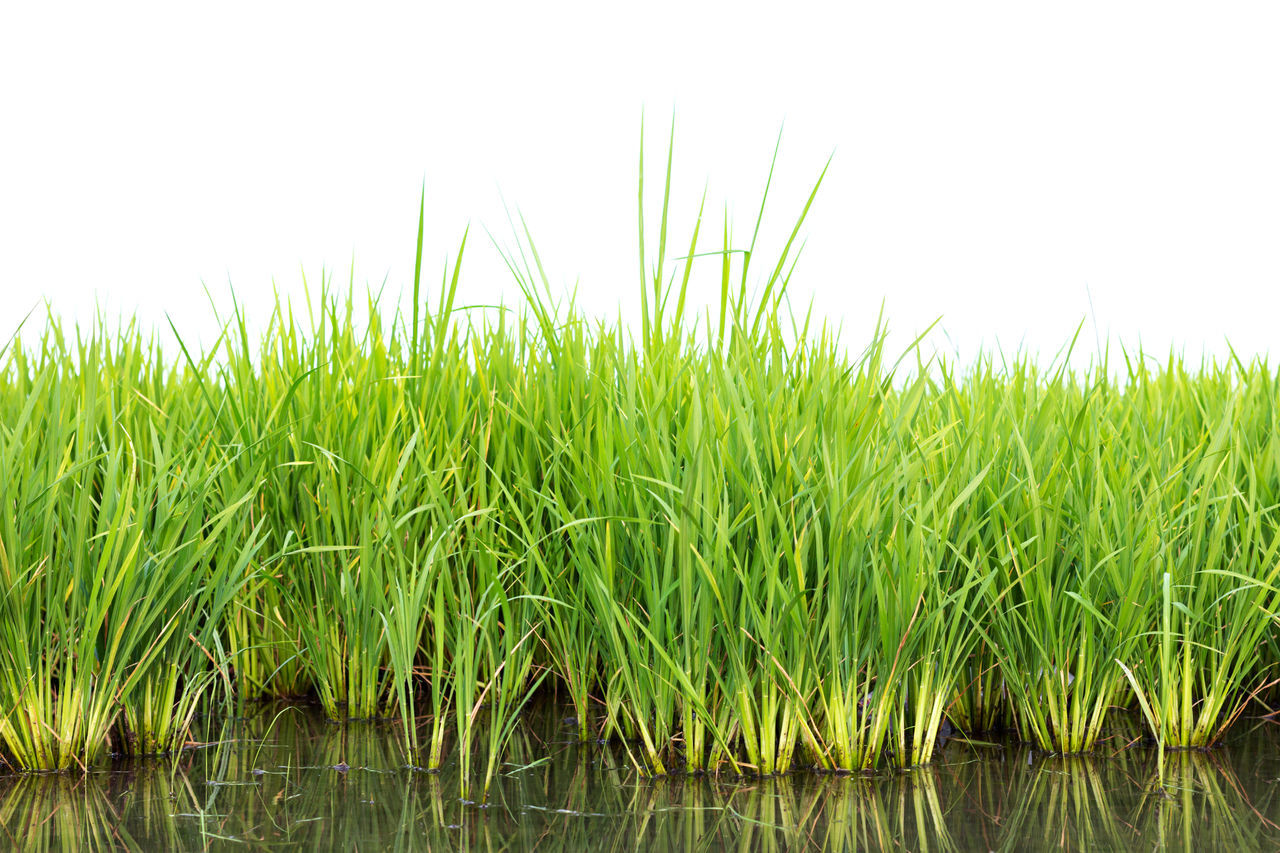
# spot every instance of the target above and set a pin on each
(37, 811)
(1067, 804)
(118, 811)
(587, 797)
(1195, 789)
(876, 813)
(1113, 802)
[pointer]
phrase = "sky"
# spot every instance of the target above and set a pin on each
(1010, 170)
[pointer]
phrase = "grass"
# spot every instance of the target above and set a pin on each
(726, 541)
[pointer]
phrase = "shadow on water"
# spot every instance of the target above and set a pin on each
(279, 780)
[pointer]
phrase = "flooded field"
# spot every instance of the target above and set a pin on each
(285, 778)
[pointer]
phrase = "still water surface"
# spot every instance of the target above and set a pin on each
(286, 779)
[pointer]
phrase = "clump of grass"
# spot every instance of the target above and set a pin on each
(118, 553)
(725, 540)
(1220, 561)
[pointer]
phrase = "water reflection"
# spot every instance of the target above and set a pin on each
(287, 778)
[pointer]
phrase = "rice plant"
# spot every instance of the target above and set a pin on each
(727, 538)
(118, 555)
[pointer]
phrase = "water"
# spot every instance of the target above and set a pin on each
(286, 778)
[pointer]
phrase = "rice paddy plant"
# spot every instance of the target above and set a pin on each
(856, 683)
(194, 574)
(1074, 569)
(409, 609)
(341, 517)
(1218, 592)
(509, 682)
(942, 590)
(117, 555)
(767, 594)
(675, 559)
(723, 538)
(257, 415)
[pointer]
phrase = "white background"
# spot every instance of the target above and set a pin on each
(995, 165)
